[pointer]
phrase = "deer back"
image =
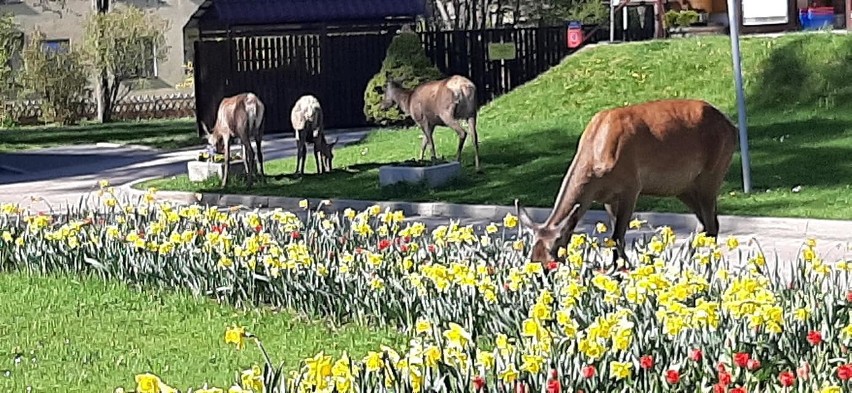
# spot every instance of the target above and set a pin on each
(660, 147)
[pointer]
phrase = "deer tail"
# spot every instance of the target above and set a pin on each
(254, 111)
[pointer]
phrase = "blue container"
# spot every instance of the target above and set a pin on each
(815, 20)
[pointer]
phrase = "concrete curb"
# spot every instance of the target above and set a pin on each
(817, 228)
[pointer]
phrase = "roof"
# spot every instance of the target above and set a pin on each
(256, 12)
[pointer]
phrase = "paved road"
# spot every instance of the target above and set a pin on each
(63, 175)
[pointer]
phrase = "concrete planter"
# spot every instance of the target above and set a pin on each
(433, 176)
(202, 170)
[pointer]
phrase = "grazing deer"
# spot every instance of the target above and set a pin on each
(664, 148)
(437, 103)
(307, 120)
(239, 116)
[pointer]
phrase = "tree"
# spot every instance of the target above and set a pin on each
(57, 78)
(406, 63)
(119, 45)
(9, 50)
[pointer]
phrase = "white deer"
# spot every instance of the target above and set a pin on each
(307, 120)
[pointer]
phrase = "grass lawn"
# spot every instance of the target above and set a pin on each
(80, 335)
(800, 126)
(163, 134)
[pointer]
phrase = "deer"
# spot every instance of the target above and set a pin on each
(666, 148)
(308, 123)
(442, 102)
(239, 116)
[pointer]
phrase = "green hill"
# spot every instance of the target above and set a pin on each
(800, 126)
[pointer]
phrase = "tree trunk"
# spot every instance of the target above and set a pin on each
(103, 97)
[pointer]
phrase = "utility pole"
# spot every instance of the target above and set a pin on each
(102, 93)
(734, 23)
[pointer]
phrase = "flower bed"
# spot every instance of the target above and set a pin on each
(705, 317)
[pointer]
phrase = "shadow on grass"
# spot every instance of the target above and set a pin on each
(804, 71)
(159, 133)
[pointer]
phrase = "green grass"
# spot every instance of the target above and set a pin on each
(162, 134)
(800, 126)
(81, 335)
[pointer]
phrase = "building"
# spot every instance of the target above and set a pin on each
(62, 21)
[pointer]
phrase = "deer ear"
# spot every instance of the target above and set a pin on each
(562, 224)
(526, 221)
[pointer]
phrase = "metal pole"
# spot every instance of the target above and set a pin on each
(611, 21)
(734, 23)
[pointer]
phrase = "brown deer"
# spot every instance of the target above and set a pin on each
(437, 103)
(307, 120)
(663, 148)
(239, 116)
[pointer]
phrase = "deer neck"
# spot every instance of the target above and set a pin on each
(403, 99)
(571, 192)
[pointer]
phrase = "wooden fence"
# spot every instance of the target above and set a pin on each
(499, 60)
(168, 106)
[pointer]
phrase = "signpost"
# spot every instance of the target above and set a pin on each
(501, 51)
(734, 23)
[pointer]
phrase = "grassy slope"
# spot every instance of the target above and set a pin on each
(800, 125)
(89, 336)
(165, 134)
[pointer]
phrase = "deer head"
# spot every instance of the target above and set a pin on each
(328, 153)
(544, 236)
(389, 94)
(214, 142)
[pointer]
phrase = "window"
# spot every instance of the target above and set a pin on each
(148, 64)
(56, 45)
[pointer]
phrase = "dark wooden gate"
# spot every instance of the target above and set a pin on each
(537, 49)
(279, 69)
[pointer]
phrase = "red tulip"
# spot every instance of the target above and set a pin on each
(672, 377)
(814, 337)
(724, 378)
(588, 371)
(849, 296)
(739, 389)
(753, 364)
(844, 372)
(719, 388)
(383, 244)
(787, 379)
(552, 265)
(741, 359)
(478, 383)
(804, 370)
(646, 361)
(553, 386)
(696, 355)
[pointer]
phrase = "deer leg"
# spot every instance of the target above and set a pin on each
(248, 163)
(226, 146)
(710, 217)
(301, 155)
(624, 210)
(259, 156)
(317, 159)
(456, 126)
(472, 125)
(688, 199)
(428, 129)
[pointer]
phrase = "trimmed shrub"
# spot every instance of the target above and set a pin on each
(57, 78)
(405, 62)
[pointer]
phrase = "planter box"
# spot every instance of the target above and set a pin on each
(202, 170)
(433, 176)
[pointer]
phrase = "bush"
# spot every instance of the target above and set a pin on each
(57, 78)
(405, 62)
